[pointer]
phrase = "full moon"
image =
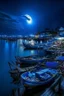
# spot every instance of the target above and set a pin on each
(29, 20)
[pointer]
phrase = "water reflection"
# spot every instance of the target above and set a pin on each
(32, 52)
(8, 51)
(6, 54)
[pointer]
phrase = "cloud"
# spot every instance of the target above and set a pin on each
(13, 22)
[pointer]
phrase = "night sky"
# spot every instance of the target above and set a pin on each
(45, 14)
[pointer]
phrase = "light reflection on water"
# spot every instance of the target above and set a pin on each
(8, 51)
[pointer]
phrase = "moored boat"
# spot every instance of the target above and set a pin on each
(33, 46)
(38, 78)
(30, 61)
(56, 46)
(15, 70)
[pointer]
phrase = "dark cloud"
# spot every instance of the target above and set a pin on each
(8, 19)
(10, 24)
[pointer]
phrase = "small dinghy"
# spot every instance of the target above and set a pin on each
(38, 78)
(29, 61)
(33, 46)
(15, 70)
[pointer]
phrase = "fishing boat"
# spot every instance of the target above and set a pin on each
(32, 46)
(18, 57)
(40, 77)
(15, 70)
(29, 60)
(56, 46)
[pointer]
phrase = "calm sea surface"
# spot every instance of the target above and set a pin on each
(8, 51)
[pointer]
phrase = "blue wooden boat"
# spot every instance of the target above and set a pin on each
(33, 46)
(15, 70)
(38, 78)
(60, 58)
(29, 61)
(56, 46)
(52, 64)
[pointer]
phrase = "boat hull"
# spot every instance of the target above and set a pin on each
(35, 84)
(25, 62)
(29, 46)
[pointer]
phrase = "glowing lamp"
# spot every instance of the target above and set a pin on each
(36, 36)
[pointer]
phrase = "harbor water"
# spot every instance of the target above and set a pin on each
(8, 51)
